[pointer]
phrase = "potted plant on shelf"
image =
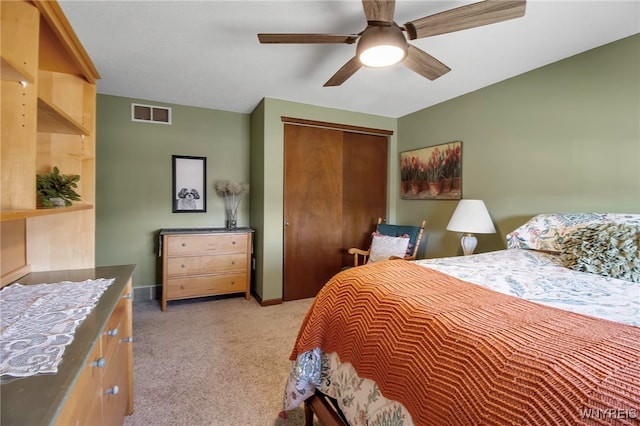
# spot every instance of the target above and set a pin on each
(57, 190)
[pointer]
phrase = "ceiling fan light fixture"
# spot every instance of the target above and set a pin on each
(381, 46)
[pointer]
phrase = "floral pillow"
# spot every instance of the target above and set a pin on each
(548, 232)
(383, 247)
(608, 249)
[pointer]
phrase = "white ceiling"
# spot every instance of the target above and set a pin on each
(206, 53)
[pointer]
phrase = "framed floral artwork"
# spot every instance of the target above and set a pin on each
(189, 190)
(432, 173)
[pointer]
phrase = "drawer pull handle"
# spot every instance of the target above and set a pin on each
(113, 332)
(183, 266)
(233, 262)
(100, 363)
(113, 391)
(128, 296)
(184, 244)
(127, 340)
(233, 242)
(233, 282)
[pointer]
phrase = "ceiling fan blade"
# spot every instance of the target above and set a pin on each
(344, 73)
(379, 10)
(308, 38)
(424, 64)
(464, 17)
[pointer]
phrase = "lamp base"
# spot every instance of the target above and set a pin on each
(468, 243)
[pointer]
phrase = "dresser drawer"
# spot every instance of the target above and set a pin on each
(115, 330)
(179, 245)
(84, 407)
(178, 288)
(115, 387)
(197, 265)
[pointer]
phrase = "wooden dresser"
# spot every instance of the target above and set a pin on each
(94, 382)
(198, 262)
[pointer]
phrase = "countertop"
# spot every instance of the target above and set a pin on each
(37, 400)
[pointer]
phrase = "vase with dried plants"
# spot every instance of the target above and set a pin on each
(232, 194)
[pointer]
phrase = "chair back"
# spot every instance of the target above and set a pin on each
(414, 233)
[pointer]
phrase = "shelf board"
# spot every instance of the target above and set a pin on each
(53, 120)
(13, 72)
(6, 215)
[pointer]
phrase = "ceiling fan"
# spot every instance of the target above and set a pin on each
(382, 42)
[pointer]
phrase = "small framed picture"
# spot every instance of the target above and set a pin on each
(189, 184)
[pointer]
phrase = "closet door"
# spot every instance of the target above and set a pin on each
(312, 209)
(335, 188)
(364, 189)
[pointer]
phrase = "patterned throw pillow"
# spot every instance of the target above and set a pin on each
(383, 247)
(548, 232)
(608, 249)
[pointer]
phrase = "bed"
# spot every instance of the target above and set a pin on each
(544, 332)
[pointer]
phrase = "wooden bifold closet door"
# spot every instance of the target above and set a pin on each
(335, 188)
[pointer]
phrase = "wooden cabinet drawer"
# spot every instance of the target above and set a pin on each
(86, 412)
(84, 407)
(178, 288)
(116, 387)
(179, 245)
(115, 330)
(196, 265)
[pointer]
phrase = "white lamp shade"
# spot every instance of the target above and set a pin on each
(471, 216)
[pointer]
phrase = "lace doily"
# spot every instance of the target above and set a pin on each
(38, 321)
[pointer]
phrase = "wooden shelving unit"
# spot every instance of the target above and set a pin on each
(19, 59)
(51, 119)
(48, 119)
(13, 72)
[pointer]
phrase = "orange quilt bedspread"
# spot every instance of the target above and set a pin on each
(456, 353)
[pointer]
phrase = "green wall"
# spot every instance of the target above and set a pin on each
(565, 137)
(134, 177)
(259, 191)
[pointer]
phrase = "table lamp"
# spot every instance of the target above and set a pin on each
(470, 217)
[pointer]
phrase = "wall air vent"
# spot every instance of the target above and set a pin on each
(150, 114)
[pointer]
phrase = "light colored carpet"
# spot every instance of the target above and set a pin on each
(213, 362)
